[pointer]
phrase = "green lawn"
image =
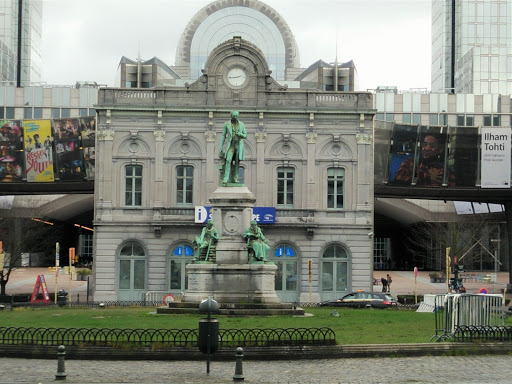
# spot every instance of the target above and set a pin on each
(353, 326)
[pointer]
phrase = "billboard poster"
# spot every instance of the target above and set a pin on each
(38, 150)
(88, 134)
(403, 150)
(427, 167)
(11, 152)
(495, 157)
(67, 148)
(462, 157)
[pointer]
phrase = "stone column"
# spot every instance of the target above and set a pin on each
(311, 174)
(261, 137)
(105, 171)
(158, 188)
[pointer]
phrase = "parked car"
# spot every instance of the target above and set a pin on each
(362, 299)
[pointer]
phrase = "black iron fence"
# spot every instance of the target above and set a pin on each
(164, 338)
(482, 333)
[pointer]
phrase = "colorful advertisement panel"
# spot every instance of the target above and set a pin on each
(403, 150)
(419, 160)
(67, 148)
(38, 150)
(11, 152)
(88, 135)
(495, 157)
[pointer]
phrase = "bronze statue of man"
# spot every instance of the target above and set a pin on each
(256, 242)
(209, 236)
(232, 148)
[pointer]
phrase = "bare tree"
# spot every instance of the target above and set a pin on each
(466, 236)
(24, 231)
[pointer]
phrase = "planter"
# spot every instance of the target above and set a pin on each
(82, 277)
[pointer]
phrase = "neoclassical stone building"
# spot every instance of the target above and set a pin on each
(308, 154)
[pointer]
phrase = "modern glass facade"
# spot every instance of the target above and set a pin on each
(20, 45)
(472, 46)
(248, 23)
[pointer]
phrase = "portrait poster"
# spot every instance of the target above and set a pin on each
(402, 153)
(38, 150)
(496, 157)
(87, 128)
(67, 149)
(430, 166)
(88, 135)
(11, 152)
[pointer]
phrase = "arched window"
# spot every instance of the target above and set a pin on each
(335, 271)
(181, 255)
(286, 283)
(132, 272)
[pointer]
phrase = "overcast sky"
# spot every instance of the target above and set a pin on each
(388, 40)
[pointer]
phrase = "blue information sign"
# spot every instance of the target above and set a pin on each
(262, 215)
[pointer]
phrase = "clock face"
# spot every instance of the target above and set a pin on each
(237, 77)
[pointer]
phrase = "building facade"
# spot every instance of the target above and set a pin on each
(20, 41)
(308, 155)
(472, 46)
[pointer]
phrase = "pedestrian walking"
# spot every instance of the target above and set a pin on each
(384, 284)
(388, 281)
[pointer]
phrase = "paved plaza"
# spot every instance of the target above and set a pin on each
(428, 369)
(22, 281)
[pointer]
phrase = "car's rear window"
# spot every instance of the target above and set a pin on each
(388, 297)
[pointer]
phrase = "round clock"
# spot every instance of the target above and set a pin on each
(236, 76)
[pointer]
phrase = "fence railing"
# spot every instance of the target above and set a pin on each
(469, 333)
(163, 337)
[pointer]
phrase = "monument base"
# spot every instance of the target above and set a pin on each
(231, 283)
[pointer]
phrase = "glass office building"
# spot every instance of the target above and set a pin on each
(20, 41)
(472, 46)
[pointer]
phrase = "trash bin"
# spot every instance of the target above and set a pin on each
(62, 297)
(207, 327)
(202, 340)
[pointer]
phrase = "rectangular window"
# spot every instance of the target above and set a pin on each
(433, 119)
(27, 113)
(416, 118)
(496, 120)
(335, 178)
(9, 113)
(461, 121)
(184, 184)
(133, 185)
(86, 247)
(2, 113)
(38, 113)
(487, 120)
(83, 112)
(443, 119)
(55, 113)
(470, 120)
(407, 118)
(285, 181)
(65, 112)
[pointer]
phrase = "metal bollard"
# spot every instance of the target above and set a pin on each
(61, 370)
(239, 371)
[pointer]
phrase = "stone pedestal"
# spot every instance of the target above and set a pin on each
(232, 279)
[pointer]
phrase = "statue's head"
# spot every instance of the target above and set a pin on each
(209, 223)
(234, 116)
(254, 223)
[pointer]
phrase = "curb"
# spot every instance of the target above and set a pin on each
(259, 353)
